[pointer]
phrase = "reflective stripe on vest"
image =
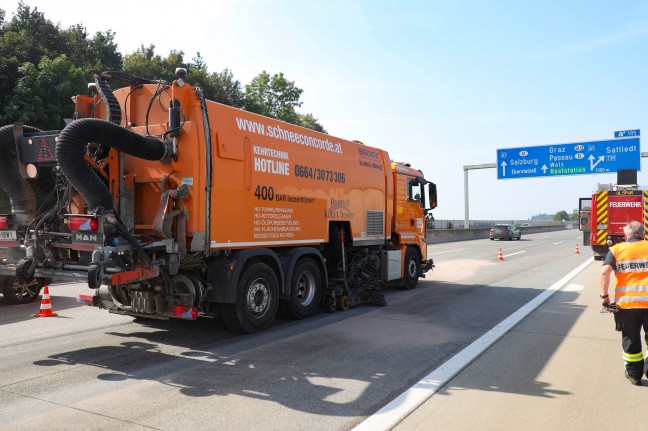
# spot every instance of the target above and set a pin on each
(631, 289)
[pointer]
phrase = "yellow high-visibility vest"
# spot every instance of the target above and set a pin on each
(631, 290)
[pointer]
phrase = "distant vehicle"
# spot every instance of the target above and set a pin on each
(505, 231)
(525, 225)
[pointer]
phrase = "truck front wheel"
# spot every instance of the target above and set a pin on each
(257, 300)
(412, 268)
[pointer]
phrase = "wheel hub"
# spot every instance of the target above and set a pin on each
(306, 289)
(258, 297)
(412, 269)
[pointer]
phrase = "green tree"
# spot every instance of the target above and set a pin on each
(561, 215)
(273, 96)
(575, 215)
(310, 122)
(41, 98)
(102, 52)
(26, 38)
(146, 63)
(30, 53)
(98, 53)
(223, 88)
(37, 56)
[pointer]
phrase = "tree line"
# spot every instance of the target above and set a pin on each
(42, 65)
(559, 216)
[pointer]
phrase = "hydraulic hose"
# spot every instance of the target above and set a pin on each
(71, 148)
(21, 194)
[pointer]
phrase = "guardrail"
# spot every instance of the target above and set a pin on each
(459, 224)
(435, 236)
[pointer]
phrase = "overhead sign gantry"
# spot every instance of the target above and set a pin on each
(578, 158)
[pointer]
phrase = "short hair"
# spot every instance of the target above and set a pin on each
(634, 228)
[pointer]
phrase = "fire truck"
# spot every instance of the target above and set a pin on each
(606, 212)
(169, 205)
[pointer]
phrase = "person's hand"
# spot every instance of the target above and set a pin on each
(605, 301)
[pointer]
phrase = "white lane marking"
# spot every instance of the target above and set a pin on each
(449, 251)
(559, 242)
(513, 254)
(390, 415)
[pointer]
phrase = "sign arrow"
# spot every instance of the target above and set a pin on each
(592, 164)
(503, 165)
(544, 169)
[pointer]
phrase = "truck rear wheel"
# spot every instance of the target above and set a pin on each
(18, 292)
(412, 268)
(257, 300)
(305, 289)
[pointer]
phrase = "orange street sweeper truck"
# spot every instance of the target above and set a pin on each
(171, 206)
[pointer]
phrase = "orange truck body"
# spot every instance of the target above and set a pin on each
(240, 208)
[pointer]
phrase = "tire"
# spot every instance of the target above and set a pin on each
(411, 269)
(305, 289)
(257, 300)
(16, 292)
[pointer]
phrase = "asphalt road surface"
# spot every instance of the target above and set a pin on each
(91, 370)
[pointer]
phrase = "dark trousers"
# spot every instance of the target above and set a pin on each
(629, 322)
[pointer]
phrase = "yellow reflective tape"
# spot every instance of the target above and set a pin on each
(645, 203)
(602, 207)
(601, 216)
(633, 357)
(600, 237)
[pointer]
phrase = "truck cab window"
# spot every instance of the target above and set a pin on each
(414, 190)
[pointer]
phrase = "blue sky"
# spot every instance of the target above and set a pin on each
(440, 84)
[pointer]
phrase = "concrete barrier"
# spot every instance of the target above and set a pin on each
(436, 236)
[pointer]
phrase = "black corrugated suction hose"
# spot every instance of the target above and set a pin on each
(71, 148)
(21, 194)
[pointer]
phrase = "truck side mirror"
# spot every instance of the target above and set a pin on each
(432, 195)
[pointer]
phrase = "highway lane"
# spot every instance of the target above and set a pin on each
(329, 372)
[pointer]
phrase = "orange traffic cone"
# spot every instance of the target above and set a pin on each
(576, 250)
(499, 255)
(46, 305)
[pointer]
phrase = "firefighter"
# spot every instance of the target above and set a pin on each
(629, 261)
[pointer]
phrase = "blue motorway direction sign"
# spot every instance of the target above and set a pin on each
(627, 133)
(580, 158)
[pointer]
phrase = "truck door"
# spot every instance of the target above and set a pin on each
(584, 224)
(417, 200)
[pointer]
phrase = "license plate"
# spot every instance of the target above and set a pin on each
(8, 235)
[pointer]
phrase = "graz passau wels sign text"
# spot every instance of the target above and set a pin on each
(580, 158)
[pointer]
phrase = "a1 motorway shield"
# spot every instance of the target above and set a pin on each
(580, 158)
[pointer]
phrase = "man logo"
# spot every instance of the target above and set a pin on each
(85, 237)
